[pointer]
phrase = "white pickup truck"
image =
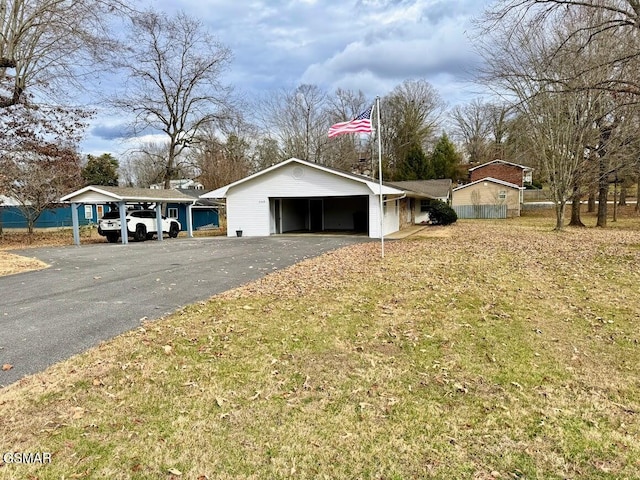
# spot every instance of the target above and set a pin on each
(141, 224)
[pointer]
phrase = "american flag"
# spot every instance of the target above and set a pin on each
(360, 124)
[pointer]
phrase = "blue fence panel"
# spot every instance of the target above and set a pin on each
(12, 217)
(481, 211)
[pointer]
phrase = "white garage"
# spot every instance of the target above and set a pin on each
(297, 196)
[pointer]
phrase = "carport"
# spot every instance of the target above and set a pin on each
(121, 196)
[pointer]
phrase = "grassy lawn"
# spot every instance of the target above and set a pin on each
(499, 350)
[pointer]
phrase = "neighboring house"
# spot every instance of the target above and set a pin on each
(205, 213)
(181, 184)
(506, 171)
(487, 198)
(57, 216)
(300, 196)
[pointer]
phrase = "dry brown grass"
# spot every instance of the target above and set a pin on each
(18, 239)
(10, 264)
(502, 351)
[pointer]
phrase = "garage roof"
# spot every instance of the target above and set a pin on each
(101, 194)
(370, 182)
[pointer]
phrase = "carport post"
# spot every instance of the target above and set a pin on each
(159, 220)
(122, 206)
(190, 220)
(76, 223)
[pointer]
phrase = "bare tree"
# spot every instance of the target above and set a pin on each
(298, 119)
(559, 120)
(46, 45)
(222, 156)
(412, 113)
(146, 166)
(174, 68)
(349, 152)
(555, 66)
(472, 125)
(608, 18)
(37, 175)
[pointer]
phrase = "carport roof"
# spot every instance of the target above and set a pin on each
(103, 194)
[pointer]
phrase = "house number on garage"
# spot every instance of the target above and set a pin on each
(262, 201)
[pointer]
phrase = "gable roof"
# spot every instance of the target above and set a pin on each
(492, 180)
(431, 188)
(523, 167)
(104, 194)
(373, 184)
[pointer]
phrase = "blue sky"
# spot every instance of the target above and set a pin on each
(368, 45)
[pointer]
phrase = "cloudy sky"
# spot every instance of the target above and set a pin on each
(368, 45)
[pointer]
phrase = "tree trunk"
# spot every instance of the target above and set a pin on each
(576, 221)
(638, 195)
(560, 207)
(603, 193)
(591, 203)
(615, 203)
(622, 200)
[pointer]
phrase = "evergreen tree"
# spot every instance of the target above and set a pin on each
(415, 165)
(444, 160)
(102, 170)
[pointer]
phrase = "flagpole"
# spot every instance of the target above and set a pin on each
(380, 179)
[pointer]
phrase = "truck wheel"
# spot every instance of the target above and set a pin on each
(141, 233)
(174, 230)
(112, 237)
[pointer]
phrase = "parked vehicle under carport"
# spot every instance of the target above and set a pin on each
(141, 225)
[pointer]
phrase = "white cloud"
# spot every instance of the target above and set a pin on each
(368, 45)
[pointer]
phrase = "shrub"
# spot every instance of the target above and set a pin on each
(441, 214)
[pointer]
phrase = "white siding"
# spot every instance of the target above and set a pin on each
(248, 205)
(420, 216)
(391, 217)
(374, 216)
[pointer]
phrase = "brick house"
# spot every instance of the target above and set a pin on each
(506, 171)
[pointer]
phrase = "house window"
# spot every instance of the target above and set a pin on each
(424, 205)
(173, 212)
(502, 195)
(88, 212)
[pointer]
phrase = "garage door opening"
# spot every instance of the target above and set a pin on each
(320, 215)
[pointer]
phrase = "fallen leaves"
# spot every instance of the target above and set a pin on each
(460, 345)
(6, 367)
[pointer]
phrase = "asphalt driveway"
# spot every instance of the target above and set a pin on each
(94, 292)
